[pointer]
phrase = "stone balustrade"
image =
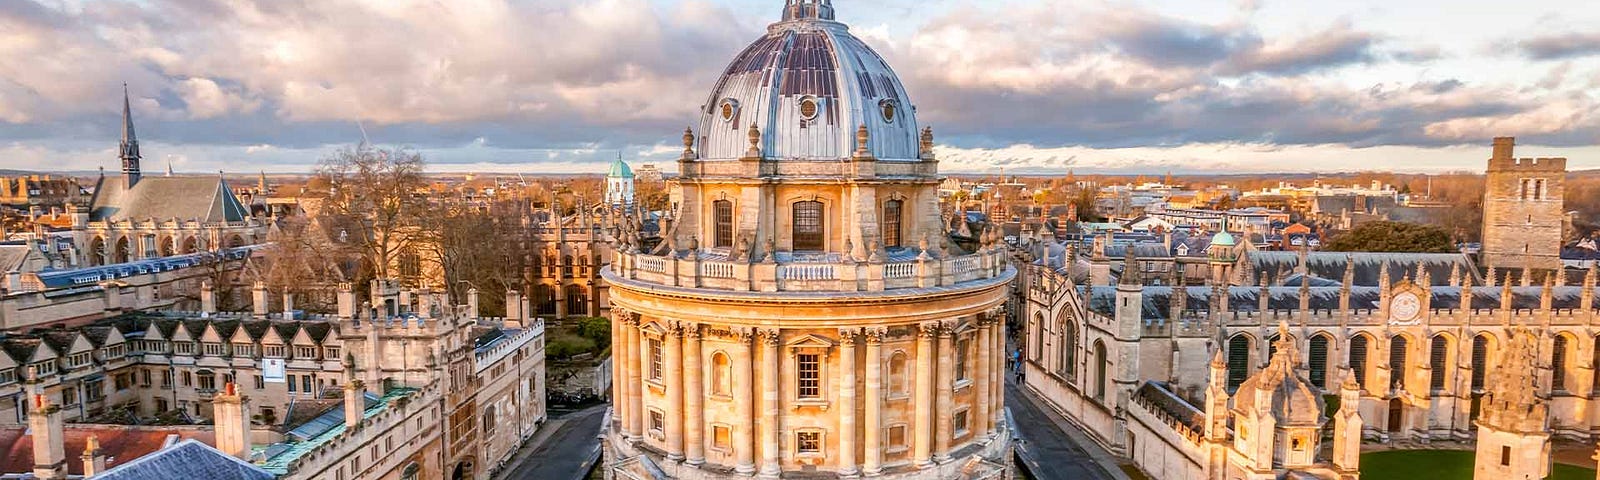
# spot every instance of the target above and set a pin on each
(716, 273)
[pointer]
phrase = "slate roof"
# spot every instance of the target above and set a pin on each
(122, 446)
(1158, 300)
(187, 459)
(1332, 266)
(207, 199)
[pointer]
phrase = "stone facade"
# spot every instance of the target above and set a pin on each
(1523, 210)
(805, 312)
(401, 357)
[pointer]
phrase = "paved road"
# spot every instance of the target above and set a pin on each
(565, 453)
(1047, 450)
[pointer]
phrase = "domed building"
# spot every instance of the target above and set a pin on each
(806, 310)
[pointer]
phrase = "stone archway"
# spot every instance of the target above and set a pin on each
(463, 471)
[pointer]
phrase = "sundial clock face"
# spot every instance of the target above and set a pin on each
(1404, 309)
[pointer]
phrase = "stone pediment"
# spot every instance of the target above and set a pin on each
(811, 341)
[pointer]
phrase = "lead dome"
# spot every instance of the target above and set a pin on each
(807, 86)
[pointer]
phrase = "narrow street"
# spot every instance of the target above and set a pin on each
(1048, 450)
(564, 450)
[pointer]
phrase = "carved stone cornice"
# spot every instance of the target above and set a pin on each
(929, 329)
(691, 330)
(742, 335)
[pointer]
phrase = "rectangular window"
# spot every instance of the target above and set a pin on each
(724, 216)
(212, 349)
(658, 422)
(8, 375)
(305, 383)
(897, 437)
(721, 437)
(306, 353)
(810, 375)
(291, 383)
(208, 382)
(244, 350)
(808, 442)
(274, 351)
(959, 421)
(330, 353)
(116, 351)
(655, 359)
(891, 223)
(261, 383)
(69, 396)
(166, 379)
(183, 348)
(78, 360)
(1505, 455)
(188, 379)
(808, 231)
(962, 349)
(123, 381)
(144, 378)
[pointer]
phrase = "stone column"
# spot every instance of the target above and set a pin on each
(619, 342)
(635, 380)
(997, 381)
(944, 388)
(744, 398)
(982, 385)
(873, 437)
(922, 401)
(847, 401)
(694, 396)
(673, 378)
(769, 403)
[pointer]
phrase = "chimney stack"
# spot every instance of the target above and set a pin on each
(232, 426)
(288, 305)
(472, 303)
(259, 299)
(513, 306)
(347, 301)
(49, 443)
(94, 461)
(208, 298)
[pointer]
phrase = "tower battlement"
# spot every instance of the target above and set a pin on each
(1505, 159)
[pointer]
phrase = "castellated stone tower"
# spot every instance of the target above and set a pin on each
(1522, 210)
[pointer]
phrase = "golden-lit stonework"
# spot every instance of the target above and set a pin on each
(807, 311)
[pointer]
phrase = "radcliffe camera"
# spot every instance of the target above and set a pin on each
(799, 240)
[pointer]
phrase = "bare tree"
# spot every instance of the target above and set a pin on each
(381, 190)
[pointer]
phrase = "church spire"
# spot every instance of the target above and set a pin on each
(129, 150)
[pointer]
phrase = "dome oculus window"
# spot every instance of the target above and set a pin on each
(808, 108)
(728, 109)
(888, 109)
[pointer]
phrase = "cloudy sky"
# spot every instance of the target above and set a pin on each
(1024, 85)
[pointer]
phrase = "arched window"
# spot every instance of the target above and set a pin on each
(97, 252)
(1100, 368)
(123, 251)
(1397, 361)
(721, 374)
(1238, 361)
(191, 245)
(577, 301)
(1319, 361)
(891, 223)
(1069, 345)
(1437, 358)
(722, 210)
(412, 472)
(566, 266)
(544, 299)
(488, 420)
(1358, 359)
(1480, 361)
(897, 374)
(808, 228)
(1035, 337)
(1558, 364)
(168, 247)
